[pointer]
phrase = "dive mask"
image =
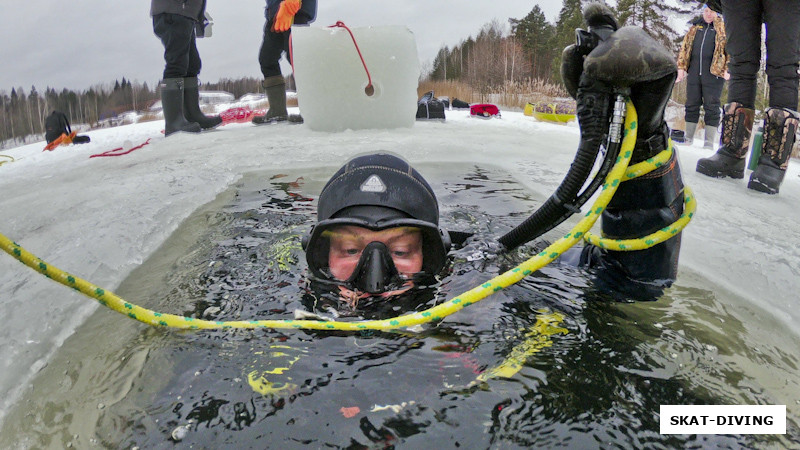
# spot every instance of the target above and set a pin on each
(376, 271)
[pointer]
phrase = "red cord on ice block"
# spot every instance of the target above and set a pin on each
(370, 89)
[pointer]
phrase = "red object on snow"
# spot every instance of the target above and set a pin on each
(120, 150)
(484, 110)
(64, 139)
(349, 411)
(239, 115)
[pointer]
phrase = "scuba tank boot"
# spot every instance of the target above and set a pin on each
(172, 105)
(711, 135)
(688, 135)
(737, 126)
(276, 96)
(191, 105)
(780, 128)
(645, 205)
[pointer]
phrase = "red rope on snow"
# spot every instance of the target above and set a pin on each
(113, 152)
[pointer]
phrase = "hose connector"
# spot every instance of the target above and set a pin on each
(617, 120)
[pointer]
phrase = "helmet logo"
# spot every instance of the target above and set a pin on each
(373, 184)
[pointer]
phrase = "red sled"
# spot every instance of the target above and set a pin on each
(239, 115)
(484, 110)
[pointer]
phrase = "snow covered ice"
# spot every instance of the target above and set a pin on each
(100, 218)
(331, 78)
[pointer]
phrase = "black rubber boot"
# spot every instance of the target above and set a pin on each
(276, 95)
(172, 104)
(737, 126)
(191, 105)
(780, 128)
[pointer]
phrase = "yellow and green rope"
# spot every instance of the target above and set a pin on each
(619, 172)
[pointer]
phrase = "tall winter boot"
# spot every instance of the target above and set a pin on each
(276, 95)
(780, 128)
(711, 135)
(737, 126)
(191, 105)
(172, 104)
(688, 135)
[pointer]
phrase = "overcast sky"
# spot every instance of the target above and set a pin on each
(80, 43)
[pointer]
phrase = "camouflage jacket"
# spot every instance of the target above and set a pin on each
(719, 64)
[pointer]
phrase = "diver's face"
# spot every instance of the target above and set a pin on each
(709, 15)
(348, 242)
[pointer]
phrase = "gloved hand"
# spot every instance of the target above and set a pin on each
(625, 58)
(285, 16)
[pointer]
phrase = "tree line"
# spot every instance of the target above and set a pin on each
(22, 113)
(532, 50)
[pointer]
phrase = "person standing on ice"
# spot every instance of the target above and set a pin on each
(178, 23)
(703, 63)
(743, 19)
(378, 230)
(280, 16)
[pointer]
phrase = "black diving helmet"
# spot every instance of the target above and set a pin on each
(376, 213)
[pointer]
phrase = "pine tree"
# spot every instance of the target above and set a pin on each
(439, 71)
(569, 18)
(652, 16)
(535, 33)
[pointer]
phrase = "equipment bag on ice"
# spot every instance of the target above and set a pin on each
(430, 107)
(57, 125)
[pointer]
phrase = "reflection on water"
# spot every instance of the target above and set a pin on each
(119, 384)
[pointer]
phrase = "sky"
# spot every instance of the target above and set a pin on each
(80, 43)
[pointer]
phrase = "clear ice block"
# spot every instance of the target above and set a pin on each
(331, 79)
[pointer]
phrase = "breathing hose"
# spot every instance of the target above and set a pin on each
(601, 127)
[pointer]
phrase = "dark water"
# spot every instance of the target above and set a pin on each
(597, 384)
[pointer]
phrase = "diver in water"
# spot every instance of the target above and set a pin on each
(378, 232)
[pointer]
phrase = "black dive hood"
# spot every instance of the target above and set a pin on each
(377, 191)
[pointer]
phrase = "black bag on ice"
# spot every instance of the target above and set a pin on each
(430, 107)
(55, 125)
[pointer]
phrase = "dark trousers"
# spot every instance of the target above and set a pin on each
(703, 90)
(180, 48)
(743, 26)
(272, 48)
(274, 45)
